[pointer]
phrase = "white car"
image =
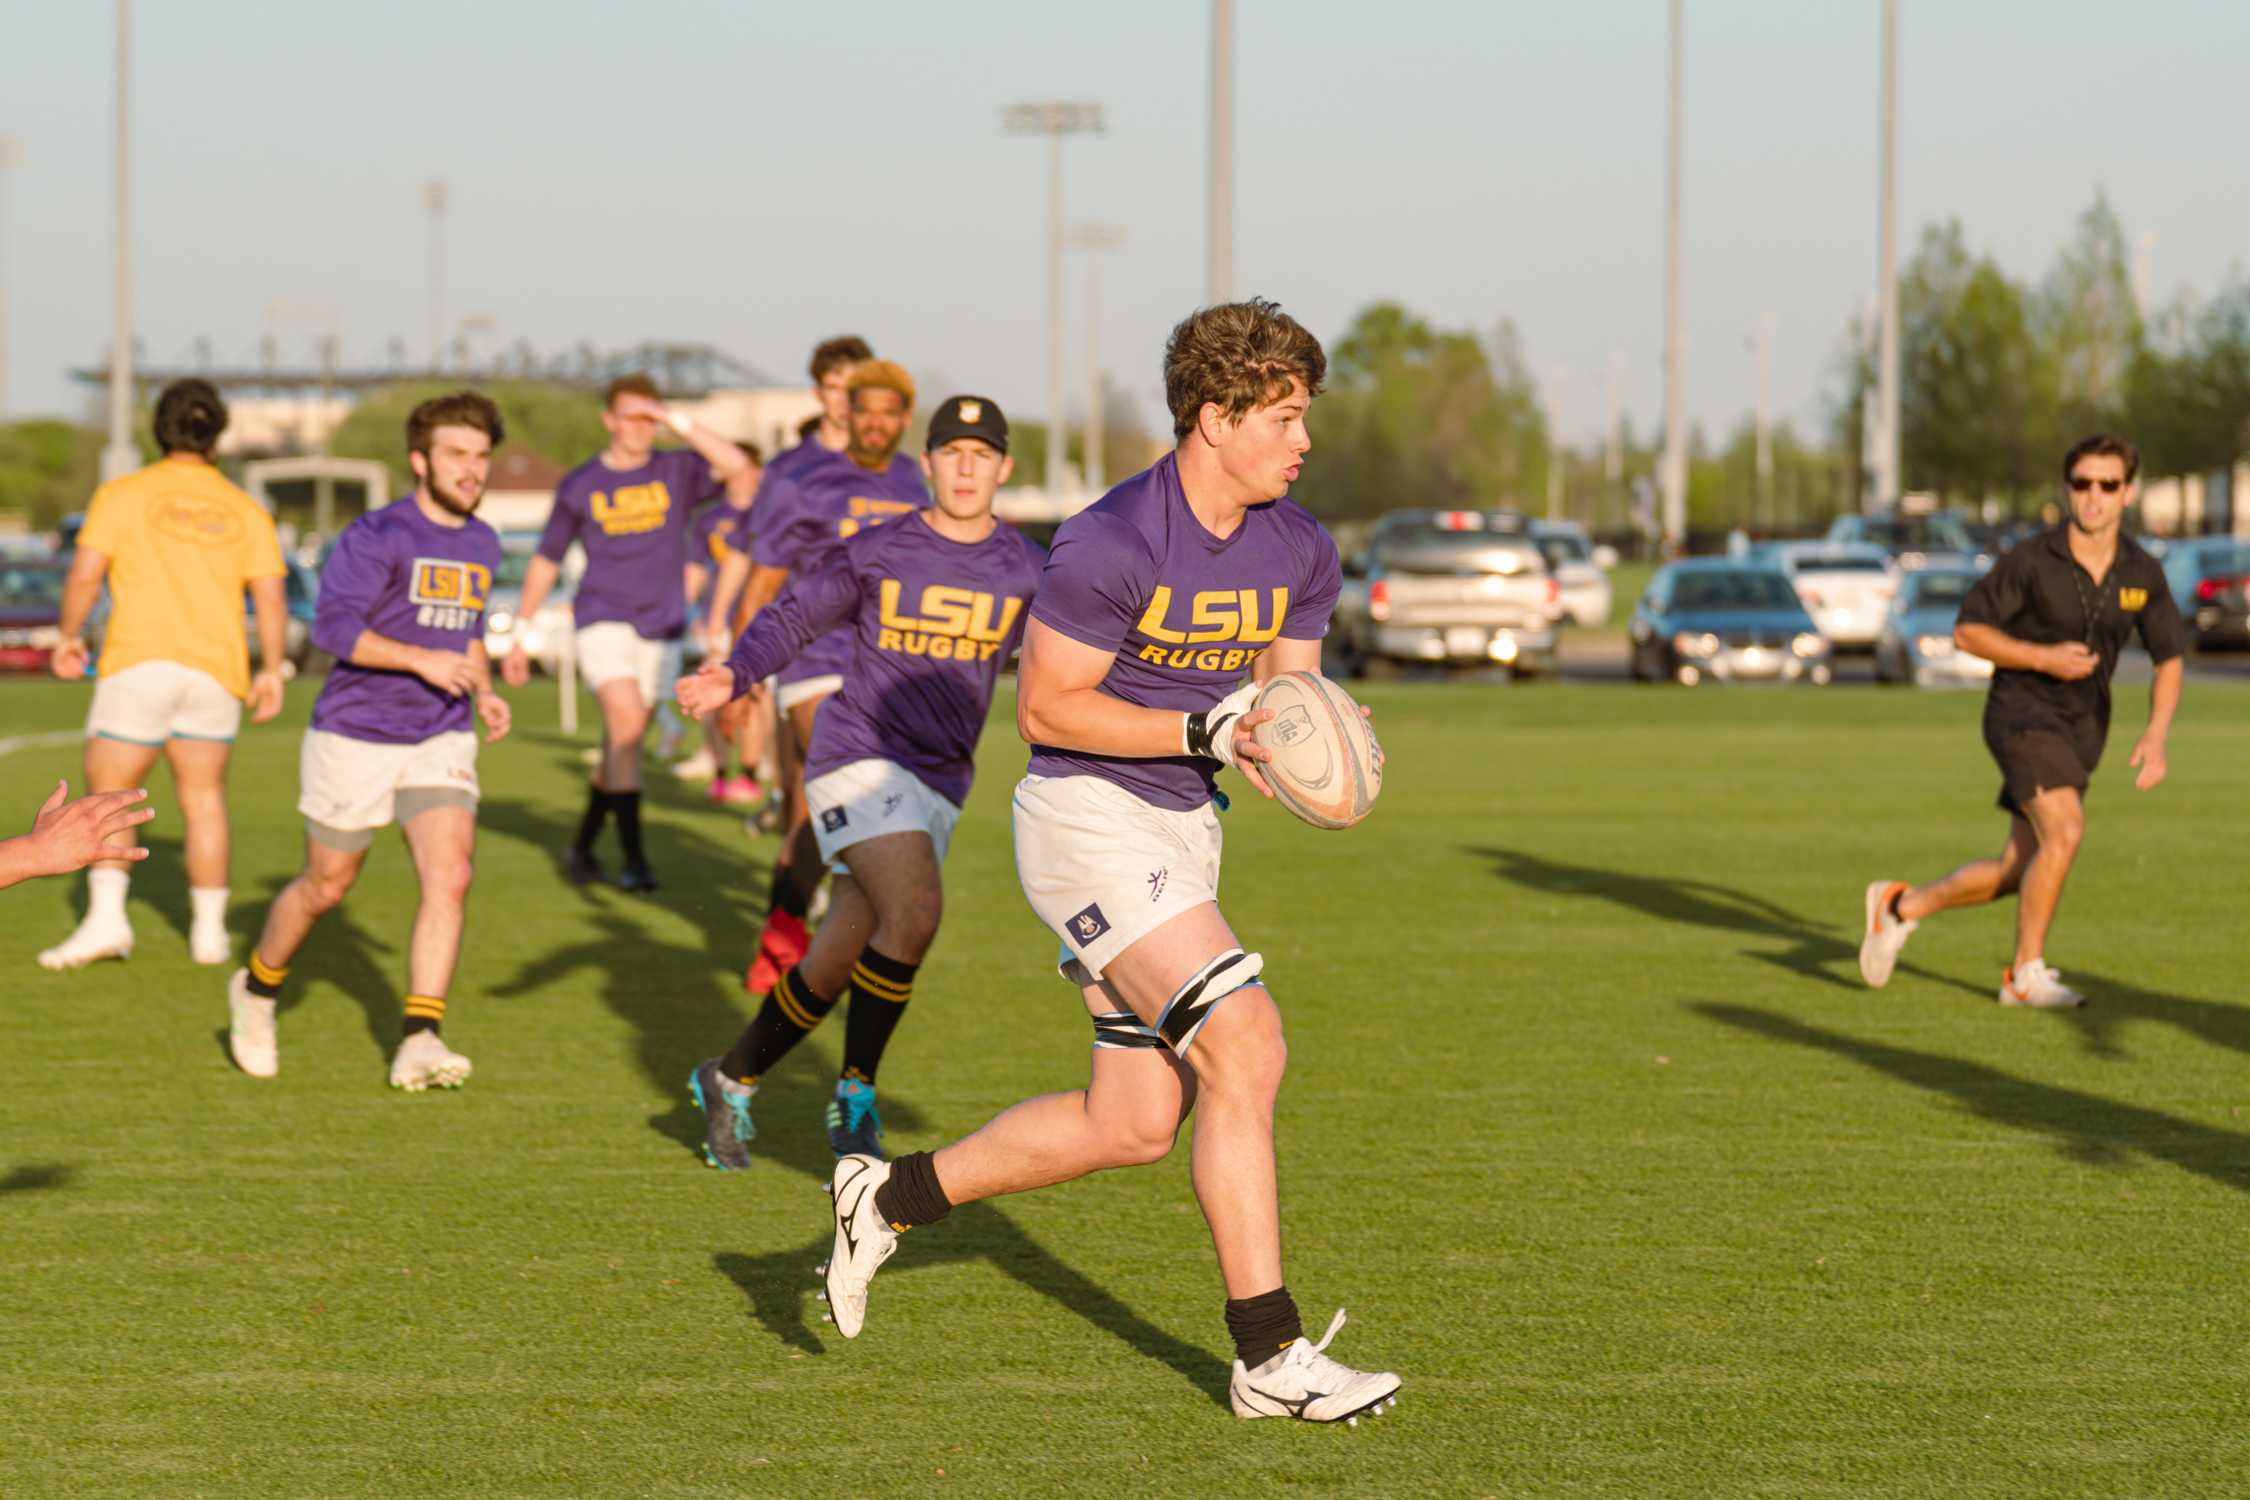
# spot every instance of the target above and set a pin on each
(1846, 587)
(1575, 564)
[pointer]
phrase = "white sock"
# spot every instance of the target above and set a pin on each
(208, 903)
(105, 893)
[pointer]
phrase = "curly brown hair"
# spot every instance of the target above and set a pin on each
(472, 409)
(1239, 356)
(635, 384)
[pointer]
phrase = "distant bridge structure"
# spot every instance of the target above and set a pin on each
(681, 371)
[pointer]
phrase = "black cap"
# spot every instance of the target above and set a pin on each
(968, 416)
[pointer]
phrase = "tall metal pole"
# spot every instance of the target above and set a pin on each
(1054, 119)
(1675, 431)
(1094, 239)
(1221, 281)
(433, 198)
(1765, 418)
(7, 160)
(120, 457)
(1887, 477)
(1555, 453)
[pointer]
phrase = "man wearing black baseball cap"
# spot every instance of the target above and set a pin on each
(966, 417)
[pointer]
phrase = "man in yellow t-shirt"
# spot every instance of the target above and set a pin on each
(177, 545)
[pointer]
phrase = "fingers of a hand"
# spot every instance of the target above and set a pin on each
(55, 798)
(1250, 773)
(117, 822)
(136, 852)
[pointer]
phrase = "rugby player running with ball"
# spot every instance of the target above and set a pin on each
(1154, 603)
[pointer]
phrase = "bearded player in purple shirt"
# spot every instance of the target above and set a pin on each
(796, 520)
(630, 506)
(402, 598)
(1153, 605)
(934, 607)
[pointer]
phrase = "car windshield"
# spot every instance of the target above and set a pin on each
(1918, 534)
(1936, 590)
(1735, 588)
(1559, 550)
(31, 588)
(1431, 549)
(1839, 565)
(2223, 562)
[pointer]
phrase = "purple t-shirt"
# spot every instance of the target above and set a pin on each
(931, 622)
(802, 513)
(633, 523)
(1186, 612)
(400, 574)
(717, 533)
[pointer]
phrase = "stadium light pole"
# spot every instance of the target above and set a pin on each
(1887, 485)
(1675, 434)
(1094, 239)
(1054, 119)
(1555, 451)
(7, 160)
(1221, 287)
(120, 457)
(1763, 342)
(433, 199)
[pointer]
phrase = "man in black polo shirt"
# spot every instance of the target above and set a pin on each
(2051, 617)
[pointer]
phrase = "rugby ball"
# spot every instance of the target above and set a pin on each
(1326, 766)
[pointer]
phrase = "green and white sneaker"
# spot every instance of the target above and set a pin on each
(423, 1061)
(854, 1127)
(727, 1130)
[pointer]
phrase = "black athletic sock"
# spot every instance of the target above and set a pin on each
(423, 1013)
(881, 987)
(627, 806)
(1263, 1325)
(787, 1018)
(265, 980)
(792, 890)
(590, 826)
(912, 1196)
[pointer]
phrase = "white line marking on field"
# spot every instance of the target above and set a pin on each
(15, 742)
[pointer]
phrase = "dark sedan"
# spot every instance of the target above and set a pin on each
(1714, 619)
(31, 591)
(2210, 581)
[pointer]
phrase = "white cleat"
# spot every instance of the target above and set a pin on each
(97, 938)
(250, 1037)
(208, 945)
(863, 1241)
(1885, 936)
(423, 1061)
(1303, 1382)
(2039, 987)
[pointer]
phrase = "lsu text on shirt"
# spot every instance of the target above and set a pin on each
(633, 524)
(182, 545)
(402, 575)
(1186, 612)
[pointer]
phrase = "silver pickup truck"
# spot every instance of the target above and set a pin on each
(1445, 588)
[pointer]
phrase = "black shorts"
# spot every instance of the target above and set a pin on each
(2034, 760)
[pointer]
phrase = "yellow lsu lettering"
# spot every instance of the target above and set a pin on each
(1208, 659)
(1214, 615)
(863, 511)
(631, 509)
(948, 610)
(943, 647)
(446, 594)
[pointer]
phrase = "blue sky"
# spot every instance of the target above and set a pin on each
(759, 176)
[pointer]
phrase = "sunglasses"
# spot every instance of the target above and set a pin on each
(2082, 484)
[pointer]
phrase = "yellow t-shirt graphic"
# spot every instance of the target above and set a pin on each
(182, 545)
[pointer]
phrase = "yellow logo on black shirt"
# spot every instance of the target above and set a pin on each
(956, 624)
(2131, 599)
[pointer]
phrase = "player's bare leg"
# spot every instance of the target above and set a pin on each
(1895, 909)
(254, 992)
(199, 770)
(442, 839)
(106, 932)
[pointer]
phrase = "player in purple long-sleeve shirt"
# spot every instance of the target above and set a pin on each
(402, 600)
(932, 607)
(1155, 603)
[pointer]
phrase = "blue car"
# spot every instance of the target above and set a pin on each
(1716, 619)
(1917, 641)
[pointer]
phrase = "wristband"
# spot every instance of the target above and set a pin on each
(1195, 734)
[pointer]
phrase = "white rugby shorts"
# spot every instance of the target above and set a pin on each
(154, 701)
(1103, 869)
(610, 650)
(869, 798)
(788, 695)
(353, 785)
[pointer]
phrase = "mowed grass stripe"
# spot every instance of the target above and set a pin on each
(1589, 1122)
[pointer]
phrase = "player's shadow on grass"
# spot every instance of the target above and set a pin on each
(1815, 949)
(370, 971)
(37, 1178)
(2085, 1127)
(2113, 1005)
(781, 1287)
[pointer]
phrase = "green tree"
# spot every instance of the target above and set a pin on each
(556, 422)
(48, 468)
(2089, 322)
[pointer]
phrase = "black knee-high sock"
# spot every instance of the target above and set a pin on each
(627, 806)
(881, 986)
(787, 1018)
(1263, 1325)
(590, 826)
(789, 893)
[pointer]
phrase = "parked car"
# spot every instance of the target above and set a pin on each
(1448, 588)
(1934, 540)
(2210, 581)
(1844, 586)
(1917, 641)
(1575, 565)
(31, 590)
(545, 634)
(1720, 620)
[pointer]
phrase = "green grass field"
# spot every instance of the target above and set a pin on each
(1589, 1122)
